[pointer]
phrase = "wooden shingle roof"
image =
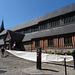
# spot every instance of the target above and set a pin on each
(15, 35)
(52, 14)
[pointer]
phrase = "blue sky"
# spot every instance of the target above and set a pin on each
(14, 12)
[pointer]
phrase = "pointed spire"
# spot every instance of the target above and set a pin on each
(2, 26)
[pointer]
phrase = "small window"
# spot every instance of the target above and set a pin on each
(69, 19)
(55, 23)
(68, 41)
(27, 31)
(22, 31)
(43, 27)
(34, 29)
(50, 42)
(37, 43)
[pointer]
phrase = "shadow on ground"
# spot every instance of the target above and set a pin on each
(2, 71)
(59, 64)
(49, 70)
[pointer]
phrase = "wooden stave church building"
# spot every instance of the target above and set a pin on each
(54, 30)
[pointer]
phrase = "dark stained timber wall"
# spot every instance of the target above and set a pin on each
(58, 42)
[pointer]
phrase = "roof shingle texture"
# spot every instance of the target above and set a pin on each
(50, 32)
(52, 14)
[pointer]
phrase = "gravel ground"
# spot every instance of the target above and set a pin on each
(11, 65)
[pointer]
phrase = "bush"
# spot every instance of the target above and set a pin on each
(69, 52)
(60, 53)
(49, 52)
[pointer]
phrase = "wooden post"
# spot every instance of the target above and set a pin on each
(65, 66)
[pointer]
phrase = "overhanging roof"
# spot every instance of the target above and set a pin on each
(50, 32)
(39, 34)
(15, 36)
(55, 13)
(3, 32)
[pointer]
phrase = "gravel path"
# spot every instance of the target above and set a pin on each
(11, 65)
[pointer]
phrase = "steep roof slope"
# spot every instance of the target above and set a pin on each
(55, 13)
(50, 32)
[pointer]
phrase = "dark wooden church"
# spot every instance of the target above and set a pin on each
(54, 30)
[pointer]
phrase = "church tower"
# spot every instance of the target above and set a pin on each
(2, 27)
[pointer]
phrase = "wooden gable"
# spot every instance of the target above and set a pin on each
(7, 37)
